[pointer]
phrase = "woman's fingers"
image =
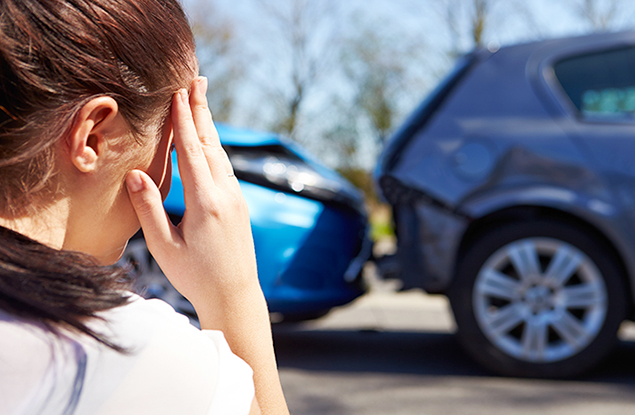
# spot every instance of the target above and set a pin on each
(202, 116)
(148, 204)
(219, 163)
(193, 165)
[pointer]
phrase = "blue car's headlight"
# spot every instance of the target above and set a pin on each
(277, 167)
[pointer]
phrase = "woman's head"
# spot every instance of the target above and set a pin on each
(58, 57)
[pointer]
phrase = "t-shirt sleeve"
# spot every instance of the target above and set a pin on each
(174, 367)
(235, 390)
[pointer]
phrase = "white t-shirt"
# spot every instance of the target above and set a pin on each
(171, 367)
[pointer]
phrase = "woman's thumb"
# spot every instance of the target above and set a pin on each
(147, 203)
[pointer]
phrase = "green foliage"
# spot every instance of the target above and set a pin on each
(376, 70)
(363, 180)
(381, 227)
(380, 216)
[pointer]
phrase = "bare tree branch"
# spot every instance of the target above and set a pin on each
(219, 56)
(305, 30)
(600, 15)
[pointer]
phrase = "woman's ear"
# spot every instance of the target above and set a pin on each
(86, 140)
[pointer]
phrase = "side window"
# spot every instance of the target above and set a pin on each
(600, 85)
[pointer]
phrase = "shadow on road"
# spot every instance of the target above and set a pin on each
(416, 353)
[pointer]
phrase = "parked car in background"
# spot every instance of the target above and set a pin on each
(309, 227)
(513, 192)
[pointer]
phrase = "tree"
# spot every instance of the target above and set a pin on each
(467, 22)
(304, 31)
(602, 15)
(478, 23)
(376, 67)
(382, 70)
(220, 57)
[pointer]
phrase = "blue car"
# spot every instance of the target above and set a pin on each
(309, 227)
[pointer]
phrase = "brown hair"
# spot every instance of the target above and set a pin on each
(56, 55)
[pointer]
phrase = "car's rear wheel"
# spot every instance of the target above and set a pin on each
(541, 299)
(149, 280)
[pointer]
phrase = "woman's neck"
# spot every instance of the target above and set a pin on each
(46, 224)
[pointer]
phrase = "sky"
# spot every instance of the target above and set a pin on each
(419, 22)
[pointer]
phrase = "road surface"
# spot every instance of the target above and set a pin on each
(394, 353)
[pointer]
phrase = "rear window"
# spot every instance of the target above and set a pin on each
(600, 84)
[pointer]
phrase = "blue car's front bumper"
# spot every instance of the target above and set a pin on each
(304, 249)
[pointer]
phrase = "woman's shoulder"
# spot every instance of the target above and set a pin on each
(173, 365)
(169, 366)
(25, 346)
(18, 337)
(32, 360)
(147, 311)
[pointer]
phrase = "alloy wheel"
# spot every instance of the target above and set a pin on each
(540, 300)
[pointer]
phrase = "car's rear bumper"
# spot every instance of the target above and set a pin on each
(428, 237)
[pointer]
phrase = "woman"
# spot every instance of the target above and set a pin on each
(93, 93)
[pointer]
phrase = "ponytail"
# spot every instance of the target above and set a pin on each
(58, 289)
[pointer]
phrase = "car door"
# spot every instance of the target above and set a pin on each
(599, 91)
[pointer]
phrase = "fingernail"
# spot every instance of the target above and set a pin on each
(203, 84)
(184, 97)
(134, 182)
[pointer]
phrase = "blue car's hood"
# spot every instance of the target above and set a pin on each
(238, 137)
(241, 137)
(233, 136)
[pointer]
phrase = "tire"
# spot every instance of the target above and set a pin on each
(292, 318)
(554, 316)
(149, 280)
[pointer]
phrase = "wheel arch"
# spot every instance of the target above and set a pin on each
(526, 213)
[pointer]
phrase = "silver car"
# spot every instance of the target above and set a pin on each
(513, 192)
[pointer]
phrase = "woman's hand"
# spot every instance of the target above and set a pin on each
(209, 257)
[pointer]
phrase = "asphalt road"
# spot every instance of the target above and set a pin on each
(394, 353)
